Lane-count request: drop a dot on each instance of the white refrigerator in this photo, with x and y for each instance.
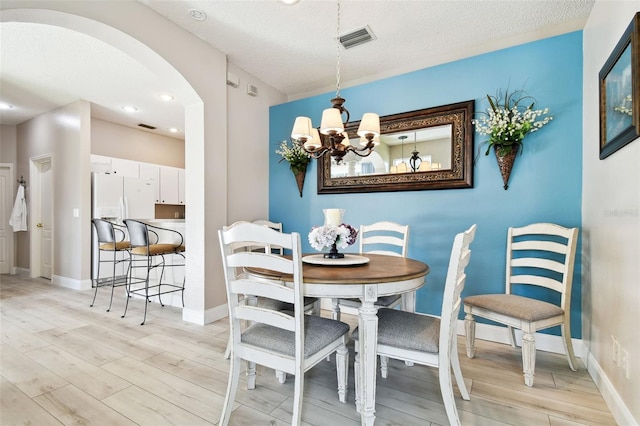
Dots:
(116, 198)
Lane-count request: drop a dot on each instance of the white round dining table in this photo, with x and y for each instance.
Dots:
(381, 276)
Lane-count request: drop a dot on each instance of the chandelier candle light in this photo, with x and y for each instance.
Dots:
(337, 143)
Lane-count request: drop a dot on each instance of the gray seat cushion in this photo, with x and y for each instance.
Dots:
(407, 330)
(318, 333)
(523, 308)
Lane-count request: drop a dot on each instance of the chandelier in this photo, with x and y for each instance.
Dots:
(337, 143)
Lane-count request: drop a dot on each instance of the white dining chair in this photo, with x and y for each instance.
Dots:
(426, 339)
(539, 255)
(289, 343)
(311, 304)
(386, 238)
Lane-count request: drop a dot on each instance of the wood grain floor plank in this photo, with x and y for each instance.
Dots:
(24, 320)
(85, 376)
(145, 408)
(87, 349)
(262, 398)
(27, 375)
(541, 403)
(312, 414)
(182, 393)
(210, 357)
(19, 338)
(118, 341)
(17, 408)
(52, 316)
(247, 416)
(73, 407)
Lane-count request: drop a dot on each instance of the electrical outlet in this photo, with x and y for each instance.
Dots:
(624, 362)
(615, 350)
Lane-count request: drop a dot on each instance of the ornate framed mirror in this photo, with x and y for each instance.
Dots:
(431, 148)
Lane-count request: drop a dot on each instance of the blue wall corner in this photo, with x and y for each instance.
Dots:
(545, 184)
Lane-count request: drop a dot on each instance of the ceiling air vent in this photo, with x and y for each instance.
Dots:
(356, 37)
(146, 126)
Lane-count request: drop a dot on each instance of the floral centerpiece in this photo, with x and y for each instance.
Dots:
(509, 119)
(297, 158)
(335, 237)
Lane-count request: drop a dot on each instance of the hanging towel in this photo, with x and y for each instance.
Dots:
(19, 214)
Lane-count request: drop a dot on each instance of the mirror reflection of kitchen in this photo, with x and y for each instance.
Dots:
(415, 151)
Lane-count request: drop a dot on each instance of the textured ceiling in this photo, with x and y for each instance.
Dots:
(291, 48)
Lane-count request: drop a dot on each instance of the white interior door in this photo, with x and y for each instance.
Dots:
(45, 224)
(6, 206)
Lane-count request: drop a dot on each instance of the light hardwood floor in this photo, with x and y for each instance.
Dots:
(63, 362)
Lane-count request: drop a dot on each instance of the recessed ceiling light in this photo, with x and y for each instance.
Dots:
(197, 14)
(289, 2)
(130, 108)
(4, 105)
(166, 97)
(174, 129)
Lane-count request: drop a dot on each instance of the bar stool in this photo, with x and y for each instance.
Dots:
(149, 253)
(111, 248)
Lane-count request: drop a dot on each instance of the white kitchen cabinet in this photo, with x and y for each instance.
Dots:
(100, 164)
(169, 185)
(125, 168)
(181, 186)
(152, 172)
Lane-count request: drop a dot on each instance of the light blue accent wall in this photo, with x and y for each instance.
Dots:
(545, 184)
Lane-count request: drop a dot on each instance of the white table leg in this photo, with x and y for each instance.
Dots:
(368, 339)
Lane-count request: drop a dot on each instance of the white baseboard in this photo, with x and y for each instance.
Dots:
(20, 271)
(205, 317)
(544, 342)
(615, 403)
(71, 283)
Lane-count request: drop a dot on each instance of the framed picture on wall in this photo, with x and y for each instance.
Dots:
(620, 92)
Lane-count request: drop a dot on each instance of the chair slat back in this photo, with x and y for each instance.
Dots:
(105, 231)
(454, 285)
(241, 285)
(254, 246)
(390, 234)
(138, 233)
(543, 255)
(273, 225)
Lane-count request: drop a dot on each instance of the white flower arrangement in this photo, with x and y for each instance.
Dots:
(507, 122)
(294, 155)
(325, 236)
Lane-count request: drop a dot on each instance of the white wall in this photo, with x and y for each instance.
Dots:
(64, 134)
(115, 140)
(8, 144)
(611, 228)
(249, 147)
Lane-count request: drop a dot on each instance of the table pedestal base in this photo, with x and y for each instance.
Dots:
(366, 357)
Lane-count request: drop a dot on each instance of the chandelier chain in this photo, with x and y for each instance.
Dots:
(338, 54)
